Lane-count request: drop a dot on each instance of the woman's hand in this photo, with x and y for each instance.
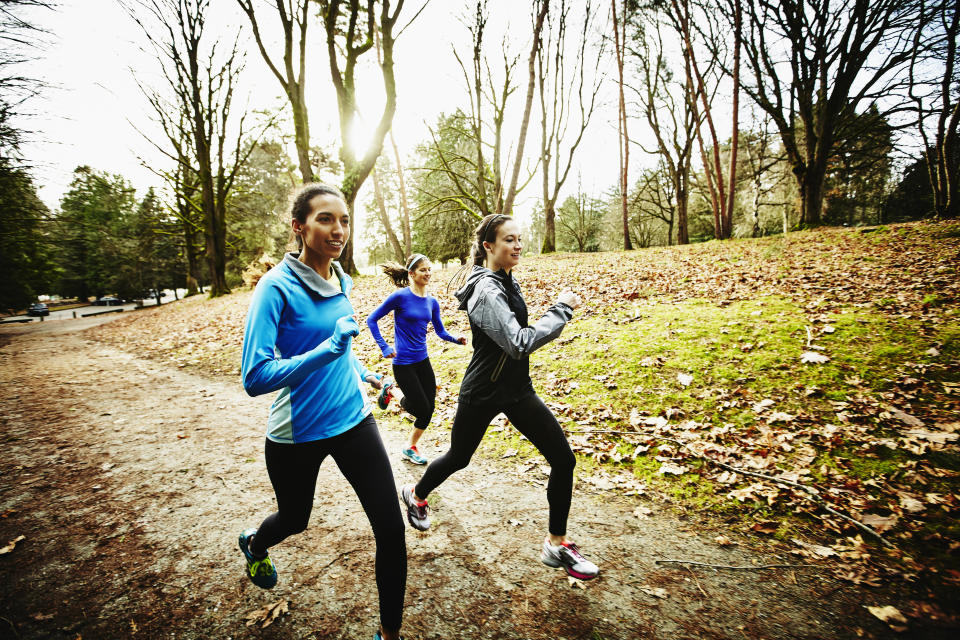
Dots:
(375, 380)
(390, 354)
(569, 298)
(343, 332)
(461, 340)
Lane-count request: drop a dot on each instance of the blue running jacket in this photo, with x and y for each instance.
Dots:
(287, 348)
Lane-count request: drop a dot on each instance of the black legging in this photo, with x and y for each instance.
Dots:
(419, 386)
(361, 457)
(533, 419)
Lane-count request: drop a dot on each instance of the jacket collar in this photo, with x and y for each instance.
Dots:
(312, 280)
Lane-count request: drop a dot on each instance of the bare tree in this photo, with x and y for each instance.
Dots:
(557, 91)
(17, 37)
(721, 185)
(203, 84)
(350, 31)
(540, 7)
(623, 139)
(473, 168)
(294, 20)
(937, 99)
(811, 63)
(668, 110)
(398, 252)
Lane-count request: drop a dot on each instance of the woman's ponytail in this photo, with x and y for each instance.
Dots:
(396, 272)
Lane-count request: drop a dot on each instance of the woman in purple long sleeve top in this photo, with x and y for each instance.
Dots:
(413, 309)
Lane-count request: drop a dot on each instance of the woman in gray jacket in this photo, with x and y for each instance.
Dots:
(497, 380)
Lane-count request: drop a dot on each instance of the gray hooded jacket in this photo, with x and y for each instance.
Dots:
(499, 372)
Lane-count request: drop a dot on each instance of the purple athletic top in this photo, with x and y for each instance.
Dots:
(411, 314)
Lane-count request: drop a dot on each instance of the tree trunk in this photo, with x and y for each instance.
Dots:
(531, 81)
(404, 202)
(549, 228)
(301, 129)
(623, 138)
(811, 197)
(385, 219)
(683, 199)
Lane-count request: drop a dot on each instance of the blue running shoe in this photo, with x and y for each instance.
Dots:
(385, 395)
(413, 455)
(261, 571)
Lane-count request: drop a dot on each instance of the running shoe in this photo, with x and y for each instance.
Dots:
(377, 636)
(413, 455)
(567, 555)
(418, 513)
(385, 394)
(261, 571)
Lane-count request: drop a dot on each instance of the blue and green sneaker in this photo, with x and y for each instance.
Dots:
(261, 571)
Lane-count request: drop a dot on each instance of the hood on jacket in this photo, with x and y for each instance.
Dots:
(479, 273)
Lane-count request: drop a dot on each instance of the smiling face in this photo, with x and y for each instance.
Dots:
(421, 272)
(504, 252)
(325, 230)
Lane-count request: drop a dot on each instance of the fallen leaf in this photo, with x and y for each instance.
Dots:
(763, 404)
(890, 615)
(816, 549)
(940, 437)
(880, 523)
(673, 468)
(575, 583)
(812, 357)
(768, 526)
(266, 616)
(828, 328)
(723, 541)
(514, 523)
(10, 545)
(911, 504)
(656, 592)
(642, 512)
(684, 379)
(779, 416)
(903, 417)
(509, 453)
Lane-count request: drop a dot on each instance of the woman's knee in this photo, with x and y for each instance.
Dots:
(563, 462)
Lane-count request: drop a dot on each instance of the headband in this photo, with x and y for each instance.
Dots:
(414, 259)
(486, 227)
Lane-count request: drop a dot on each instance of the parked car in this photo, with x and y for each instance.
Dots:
(38, 309)
(107, 301)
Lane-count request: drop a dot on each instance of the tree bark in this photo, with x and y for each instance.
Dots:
(623, 137)
(528, 106)
(385, 218)
(357, 169)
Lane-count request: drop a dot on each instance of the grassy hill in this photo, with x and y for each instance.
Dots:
(828, 359)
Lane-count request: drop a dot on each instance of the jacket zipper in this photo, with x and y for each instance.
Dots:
(498, 368)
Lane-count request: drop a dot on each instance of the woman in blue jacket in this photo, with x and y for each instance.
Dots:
(298, 342)
(413, 309)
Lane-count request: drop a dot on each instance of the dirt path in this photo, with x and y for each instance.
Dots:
(130, 479)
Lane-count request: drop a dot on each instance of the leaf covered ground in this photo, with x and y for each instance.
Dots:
(804, 388)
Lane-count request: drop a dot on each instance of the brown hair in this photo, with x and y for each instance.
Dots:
(401, 274)
(301, 202)
(486, 232)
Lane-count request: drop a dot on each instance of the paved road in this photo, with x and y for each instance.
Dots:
(77, 312)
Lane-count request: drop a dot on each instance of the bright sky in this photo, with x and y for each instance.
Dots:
(93, 110)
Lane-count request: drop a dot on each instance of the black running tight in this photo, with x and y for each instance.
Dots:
(419, 386)
(533, 419)
(361, 457)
